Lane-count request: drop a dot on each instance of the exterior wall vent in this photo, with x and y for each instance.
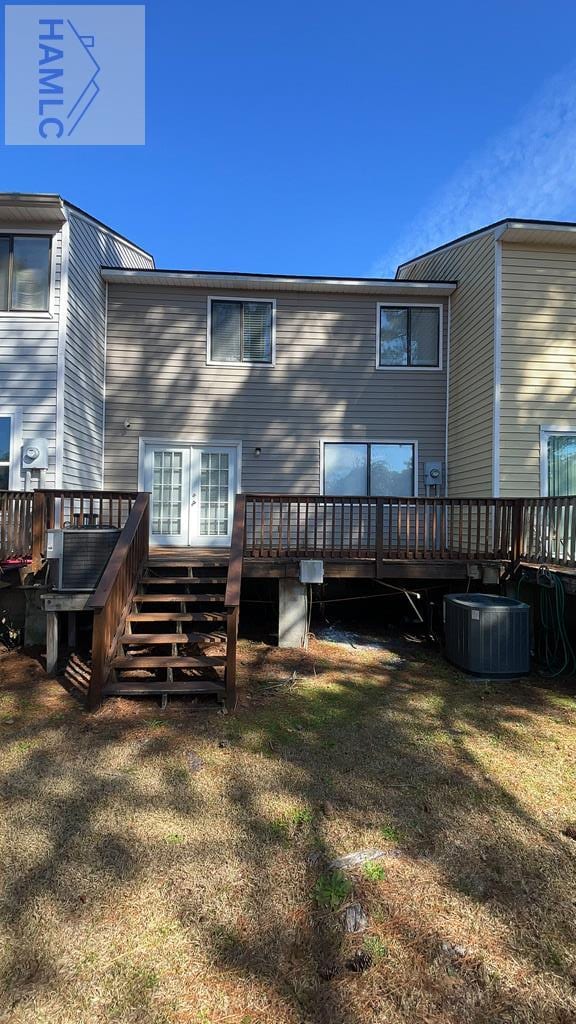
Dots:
(486, 635)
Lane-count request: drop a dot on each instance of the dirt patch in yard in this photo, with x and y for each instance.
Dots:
(167, 867)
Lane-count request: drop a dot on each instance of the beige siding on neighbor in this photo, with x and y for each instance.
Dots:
(324, 385)
(471, 387)
(538, 384)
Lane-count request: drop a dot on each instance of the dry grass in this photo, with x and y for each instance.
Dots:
(143, 886)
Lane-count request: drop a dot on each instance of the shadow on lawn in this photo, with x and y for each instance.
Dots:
(379, 746)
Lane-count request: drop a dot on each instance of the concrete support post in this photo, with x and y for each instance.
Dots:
(51, 641)
(292, 613)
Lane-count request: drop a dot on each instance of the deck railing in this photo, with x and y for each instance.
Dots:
(232, 596)
(15, 525)
(112, 599)
(548, 531)
(282, 526)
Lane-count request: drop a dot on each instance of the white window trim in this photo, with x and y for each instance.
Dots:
(370, 440)
(14, 413)
(43, 314)
(409, 305)
(192, 442)
(238, 298)
(546, 431)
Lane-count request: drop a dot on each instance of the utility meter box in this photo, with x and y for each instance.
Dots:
(35, 453)
(433, 474)
(312, 571)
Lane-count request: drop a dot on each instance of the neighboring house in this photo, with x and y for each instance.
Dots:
(221, 382)
(512, 375)
(52, 336)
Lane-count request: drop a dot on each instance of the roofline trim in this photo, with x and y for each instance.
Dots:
(192, 278)
(504, 224)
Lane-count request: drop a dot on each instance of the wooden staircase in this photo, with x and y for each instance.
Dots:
(175, 634)
(166, 622)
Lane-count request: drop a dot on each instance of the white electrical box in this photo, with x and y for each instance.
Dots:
(35, 453)
(312, 571)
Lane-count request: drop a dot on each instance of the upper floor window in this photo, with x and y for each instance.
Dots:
(24, 273)
(409, 336)
(241, 331)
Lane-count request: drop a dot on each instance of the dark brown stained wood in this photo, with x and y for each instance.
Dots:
(125, 662)
(234, 580)
(174, 598)
(176, 617)
(147, 687)
(187, 581)
(17, 534)
(143, 639)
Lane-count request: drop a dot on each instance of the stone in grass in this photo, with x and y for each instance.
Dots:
(455, 951)
(194, 761)
(353, 860)
(354, 918)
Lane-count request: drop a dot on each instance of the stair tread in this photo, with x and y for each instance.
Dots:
(184, 580)
(164, 638)
(143, 687)
(179, 597)
(172, 563)
(177, 617)
(157, 661)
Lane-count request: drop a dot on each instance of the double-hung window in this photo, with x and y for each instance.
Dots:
(5, 446)
(24, 273)
(409, 336)
(241, 331)
(558, 462)
(356, 469)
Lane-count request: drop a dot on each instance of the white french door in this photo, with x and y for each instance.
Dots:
(192, 493)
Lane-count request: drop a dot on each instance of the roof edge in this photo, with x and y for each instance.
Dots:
(201, 278)
(505, 223)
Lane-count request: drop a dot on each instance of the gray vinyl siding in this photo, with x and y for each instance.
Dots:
(29, 364)
(91, 246)
(471, 377)
(324, 385)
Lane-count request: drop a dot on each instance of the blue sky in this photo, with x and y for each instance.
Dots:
(330, 138)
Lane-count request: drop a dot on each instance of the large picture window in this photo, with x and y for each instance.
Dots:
(560, 454)
(241, 331)
(25, 273)
(409, 336)
(5, 445)
(356, 469)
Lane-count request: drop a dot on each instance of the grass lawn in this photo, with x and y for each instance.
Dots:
(166, 867)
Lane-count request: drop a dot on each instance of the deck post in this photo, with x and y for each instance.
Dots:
(292, 613)
(51, 641)
(38, 529)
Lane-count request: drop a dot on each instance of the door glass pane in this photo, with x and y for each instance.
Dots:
(214, 494)
(346, 469)
(4, 257)
(30, 273)
(392, 470)
(4, 477)
(226, 326)
(562, 465)
(5, 438)
(393, 337)
(167, 493)
(424, 336)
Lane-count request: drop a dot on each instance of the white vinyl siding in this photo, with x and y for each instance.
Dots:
(324, 385)
(29, 363)
(91, 246)
(471, 375)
